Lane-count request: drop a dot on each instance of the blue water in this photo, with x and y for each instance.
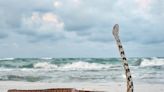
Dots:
(102, 70)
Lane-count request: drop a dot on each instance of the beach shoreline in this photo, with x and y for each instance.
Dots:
(108, 87)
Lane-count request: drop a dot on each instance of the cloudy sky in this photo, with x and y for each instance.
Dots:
(80, 28)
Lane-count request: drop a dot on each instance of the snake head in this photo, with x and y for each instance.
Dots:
(115, 29)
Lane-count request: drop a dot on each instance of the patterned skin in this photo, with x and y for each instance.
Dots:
(130, 87)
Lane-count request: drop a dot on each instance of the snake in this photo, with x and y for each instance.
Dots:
(130, 86)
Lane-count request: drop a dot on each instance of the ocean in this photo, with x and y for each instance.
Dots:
(90, 70)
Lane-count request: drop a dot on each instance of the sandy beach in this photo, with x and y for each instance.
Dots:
(108, 87)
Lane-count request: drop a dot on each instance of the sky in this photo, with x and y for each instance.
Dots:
(80, 28)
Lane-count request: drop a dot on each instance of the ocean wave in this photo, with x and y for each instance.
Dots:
(80, 65)
(44, 65)
(14, 64)
(80, 69)
(22, 78)
(7, 58)
(152, 62)
(46, 58)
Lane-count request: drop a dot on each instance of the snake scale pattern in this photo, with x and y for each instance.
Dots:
(130, 87)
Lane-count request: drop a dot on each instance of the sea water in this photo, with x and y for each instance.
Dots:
(91, 70)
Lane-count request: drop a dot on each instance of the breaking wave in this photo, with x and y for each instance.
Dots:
(44, 65)
(6, 58)
(152, 62)
(85, 66)
(79, 69)
(76, 64)
(80, 65)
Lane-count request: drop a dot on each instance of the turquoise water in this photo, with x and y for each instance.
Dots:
(102, 70)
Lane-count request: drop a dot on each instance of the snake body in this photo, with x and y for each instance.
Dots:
(130, 87)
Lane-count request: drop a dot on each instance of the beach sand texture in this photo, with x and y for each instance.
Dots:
(50, 90)
(107, 87)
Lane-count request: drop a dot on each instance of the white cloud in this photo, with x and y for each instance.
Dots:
(144, 7)
(42, 26)
(46, 22)
(54, 19)
(58, 4)
(77, 2)
(144, 4)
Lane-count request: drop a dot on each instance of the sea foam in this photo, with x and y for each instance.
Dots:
(152, 62)
(80, 69)
(44, 65)
(7, 58)
(80, 65)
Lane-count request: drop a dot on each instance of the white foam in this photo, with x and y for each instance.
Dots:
(80, 65)
(44, 65)
(46, 58)
(6, 58)
(152, 62)
(5, 69)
